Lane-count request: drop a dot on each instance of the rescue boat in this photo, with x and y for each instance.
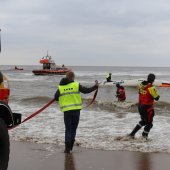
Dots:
(50, 68)
(16, 68)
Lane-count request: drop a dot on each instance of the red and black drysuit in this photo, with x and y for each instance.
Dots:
(147, 95)
(120, 94)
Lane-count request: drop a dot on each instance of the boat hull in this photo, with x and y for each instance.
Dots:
(50, 72)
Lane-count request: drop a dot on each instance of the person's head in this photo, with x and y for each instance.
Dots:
(70, 75)
(110, 74)
(1, 77)
(151, 78)
(117, 85)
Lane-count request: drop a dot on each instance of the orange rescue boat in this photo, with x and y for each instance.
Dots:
(50, 68)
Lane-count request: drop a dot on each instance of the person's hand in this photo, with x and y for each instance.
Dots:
(96, 83)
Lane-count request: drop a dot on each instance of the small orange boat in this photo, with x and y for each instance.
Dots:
(50, 68)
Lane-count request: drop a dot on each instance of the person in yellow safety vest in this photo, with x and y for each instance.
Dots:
(4, 88)
(70, 101)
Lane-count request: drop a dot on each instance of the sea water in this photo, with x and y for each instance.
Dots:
(101, 123)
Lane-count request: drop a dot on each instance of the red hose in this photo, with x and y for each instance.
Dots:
(35, 113)
(48, 104)
(94, 97)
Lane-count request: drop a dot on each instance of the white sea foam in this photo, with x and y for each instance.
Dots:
(97, 129)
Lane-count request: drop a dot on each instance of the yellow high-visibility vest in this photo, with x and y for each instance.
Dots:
(70, 98)
(5, 83)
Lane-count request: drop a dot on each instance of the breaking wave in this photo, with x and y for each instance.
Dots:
(161, 107)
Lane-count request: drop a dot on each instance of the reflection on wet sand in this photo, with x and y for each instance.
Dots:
(69, 162)
(144, 162)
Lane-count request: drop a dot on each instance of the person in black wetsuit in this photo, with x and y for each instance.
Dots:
(109, 77)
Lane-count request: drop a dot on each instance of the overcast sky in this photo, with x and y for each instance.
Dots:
(86, 32)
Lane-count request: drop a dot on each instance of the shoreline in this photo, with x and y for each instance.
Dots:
(33, 156)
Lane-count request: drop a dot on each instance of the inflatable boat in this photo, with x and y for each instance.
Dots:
(18, 69)
(135, 83)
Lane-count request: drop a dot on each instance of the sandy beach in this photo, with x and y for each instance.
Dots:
(31, 156)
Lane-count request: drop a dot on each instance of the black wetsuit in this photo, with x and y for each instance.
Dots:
(109, 78)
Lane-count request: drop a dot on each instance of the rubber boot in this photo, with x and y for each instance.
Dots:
(145, 135)
(72, 144)
(132, 134)
(67, 147)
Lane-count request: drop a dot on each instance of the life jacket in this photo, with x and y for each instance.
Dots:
(145, 97)
(122, 95)
(4, 90)
(70, 98)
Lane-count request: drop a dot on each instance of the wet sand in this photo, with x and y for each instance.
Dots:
(31, 156)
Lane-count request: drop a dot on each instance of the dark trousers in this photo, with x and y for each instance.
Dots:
(147, 114)
(71, 120)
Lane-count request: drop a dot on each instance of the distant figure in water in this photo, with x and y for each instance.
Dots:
(109, 77)
(120, 93)
(147, 95)
(16, 68)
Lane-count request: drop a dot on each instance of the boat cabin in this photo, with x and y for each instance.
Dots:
(48, 63)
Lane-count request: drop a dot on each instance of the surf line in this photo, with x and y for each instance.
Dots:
(34, 114)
